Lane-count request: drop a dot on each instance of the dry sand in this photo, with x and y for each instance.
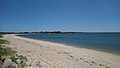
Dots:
(42, 54)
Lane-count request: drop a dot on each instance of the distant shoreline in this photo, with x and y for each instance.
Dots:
(52, 32)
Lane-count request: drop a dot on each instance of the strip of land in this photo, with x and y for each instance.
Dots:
(42, 54)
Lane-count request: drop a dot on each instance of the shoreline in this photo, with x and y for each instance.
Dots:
(60, 55)
(71, 45)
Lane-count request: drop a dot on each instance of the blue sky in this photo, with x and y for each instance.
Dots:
(63, 15)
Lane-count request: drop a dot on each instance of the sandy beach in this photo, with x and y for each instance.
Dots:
(43, 54)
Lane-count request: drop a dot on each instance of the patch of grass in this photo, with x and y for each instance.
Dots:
(13, 58)
(1, 36)
(6, 51)
(3, 41)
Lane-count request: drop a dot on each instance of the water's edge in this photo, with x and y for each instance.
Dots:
(102, 50)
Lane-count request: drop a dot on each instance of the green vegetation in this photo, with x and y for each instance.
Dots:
(13, 58)
(1, 36)
(10, 56)
(6, 51)
(3, 41)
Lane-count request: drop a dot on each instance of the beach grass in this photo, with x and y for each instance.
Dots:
(1, 36)
(3, 41)
(9, 56)
(4, 51)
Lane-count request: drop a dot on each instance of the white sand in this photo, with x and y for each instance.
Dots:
(42, 54)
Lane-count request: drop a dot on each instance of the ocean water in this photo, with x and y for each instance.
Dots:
(107, 42)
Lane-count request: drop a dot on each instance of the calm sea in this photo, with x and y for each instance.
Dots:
(108, 42)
